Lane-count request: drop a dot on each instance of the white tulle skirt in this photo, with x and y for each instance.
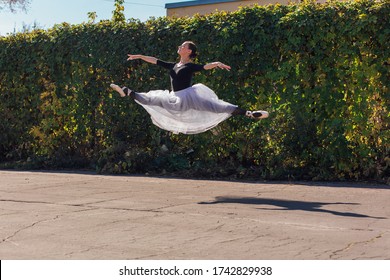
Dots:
(190, 111)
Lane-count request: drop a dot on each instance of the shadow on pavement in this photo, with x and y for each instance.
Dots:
(289, 205)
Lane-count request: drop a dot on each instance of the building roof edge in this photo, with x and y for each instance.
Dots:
(195, 3)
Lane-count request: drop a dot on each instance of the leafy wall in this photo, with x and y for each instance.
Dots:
(322, 71)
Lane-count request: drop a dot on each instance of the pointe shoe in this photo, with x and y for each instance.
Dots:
(118, 89)
(123, 91)
(256, 115)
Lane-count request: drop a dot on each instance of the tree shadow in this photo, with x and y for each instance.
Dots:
(290, 205)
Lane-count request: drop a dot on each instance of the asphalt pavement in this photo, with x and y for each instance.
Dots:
(70, 215)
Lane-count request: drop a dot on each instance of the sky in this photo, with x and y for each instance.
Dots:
(46, 13)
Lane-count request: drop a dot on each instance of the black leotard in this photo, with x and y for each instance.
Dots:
(181, 77)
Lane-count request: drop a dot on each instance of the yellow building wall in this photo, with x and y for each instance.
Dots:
(228, 7)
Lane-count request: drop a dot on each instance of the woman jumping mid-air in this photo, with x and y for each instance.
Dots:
(188, 109)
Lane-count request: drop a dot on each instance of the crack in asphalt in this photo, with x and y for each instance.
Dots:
(356, 243)
(6, 239)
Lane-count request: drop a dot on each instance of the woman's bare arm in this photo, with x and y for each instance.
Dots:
(218, 64)
(149, 59)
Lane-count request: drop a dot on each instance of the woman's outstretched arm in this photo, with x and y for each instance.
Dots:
(218, 64)
(149, 59)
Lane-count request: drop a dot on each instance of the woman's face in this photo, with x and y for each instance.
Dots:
(184, 50)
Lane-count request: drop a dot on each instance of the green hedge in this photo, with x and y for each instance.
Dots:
(322, 71)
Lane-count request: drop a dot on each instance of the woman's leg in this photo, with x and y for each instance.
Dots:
(123, 91)
(239, 111)
(140, 97)
(217, 106)
(225, 107)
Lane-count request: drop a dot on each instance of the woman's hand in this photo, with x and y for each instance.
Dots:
(223, 66)
(217, 64)
(133, 56)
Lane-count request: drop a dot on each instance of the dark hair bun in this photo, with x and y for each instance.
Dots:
(193, 48)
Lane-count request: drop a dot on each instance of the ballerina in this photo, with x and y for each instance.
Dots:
(188, 109)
